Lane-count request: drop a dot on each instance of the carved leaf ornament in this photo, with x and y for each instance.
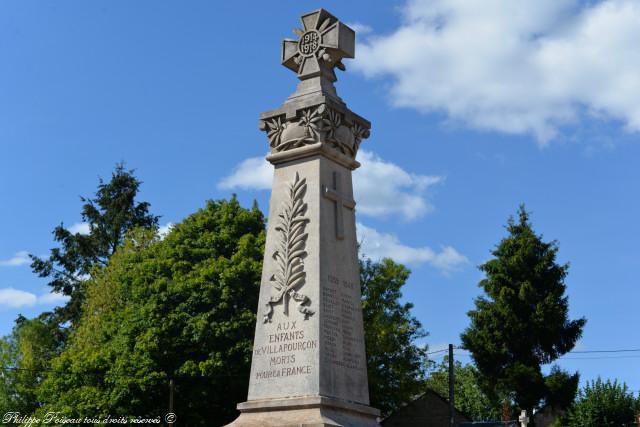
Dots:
(317, 124)
(290, 253)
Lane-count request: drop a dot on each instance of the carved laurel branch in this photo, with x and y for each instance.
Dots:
(314, 125)
(290, 274)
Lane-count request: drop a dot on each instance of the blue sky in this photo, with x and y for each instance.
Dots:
(475, 109)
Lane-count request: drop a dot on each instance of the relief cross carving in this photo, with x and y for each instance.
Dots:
(334, 194)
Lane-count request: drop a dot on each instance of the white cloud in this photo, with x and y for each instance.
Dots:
(20, 258)
(384, 189)
(163, 230)
(80, 227)
(520, 67)
(376, 245)
(252, 173)
(359, 28)
(52, 298)
(15, 298)
(381, 188)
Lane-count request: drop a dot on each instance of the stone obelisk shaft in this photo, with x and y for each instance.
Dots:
(308, 363)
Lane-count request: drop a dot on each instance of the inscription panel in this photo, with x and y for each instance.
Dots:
(285, 354)
(282, 354)
(343, 344)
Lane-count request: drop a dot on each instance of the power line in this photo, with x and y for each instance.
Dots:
(465, 352)
(606, 351)
(600, 358)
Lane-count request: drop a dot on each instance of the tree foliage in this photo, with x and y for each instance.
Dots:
(521, 322)
(469, 397)
(561, 388)
(7, 389)
(396, 364)
(181, 308)
(144, 310)
(25, 355)
(603, 404)
(109, 215)
(29, 349)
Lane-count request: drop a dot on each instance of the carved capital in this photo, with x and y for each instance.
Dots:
(343, 131)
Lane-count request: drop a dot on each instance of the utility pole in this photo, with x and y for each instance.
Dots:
(452, 409)
(171, 400)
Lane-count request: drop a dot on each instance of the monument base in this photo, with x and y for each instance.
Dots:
(310, 411)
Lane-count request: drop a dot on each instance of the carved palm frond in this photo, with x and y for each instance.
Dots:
(312, 119)
(274, 130)
(290, 252)
(359, 133)
(331, 123)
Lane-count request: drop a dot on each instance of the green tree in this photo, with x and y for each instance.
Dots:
(33, 343)
(25, 355)
(7, 374)
(184, 307)
(396, 364)
(180, 308)
(109, 215)
(521, 322)
(561, 388)
(602, 404)
(469, 397)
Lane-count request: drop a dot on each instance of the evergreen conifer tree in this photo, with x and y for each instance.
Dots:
(522, 320)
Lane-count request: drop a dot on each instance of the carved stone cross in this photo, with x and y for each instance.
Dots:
(340, 202)
(323, 42)
(524, 420)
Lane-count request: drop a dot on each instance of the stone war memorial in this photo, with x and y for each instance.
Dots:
(308, 364)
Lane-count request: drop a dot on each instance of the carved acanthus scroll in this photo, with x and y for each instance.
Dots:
(290, 253)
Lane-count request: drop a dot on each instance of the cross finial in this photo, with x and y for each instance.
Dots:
(322, 44)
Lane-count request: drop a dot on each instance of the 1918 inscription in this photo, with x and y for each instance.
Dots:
(309, 42)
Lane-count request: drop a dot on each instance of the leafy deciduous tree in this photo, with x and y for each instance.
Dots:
(469, 398)
(181, 308)
(396, 365)
(603, 404)
(25, 355)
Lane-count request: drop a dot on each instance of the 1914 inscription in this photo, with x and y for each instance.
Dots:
(309, 43)
(282, 348)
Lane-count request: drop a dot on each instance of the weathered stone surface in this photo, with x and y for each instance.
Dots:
(312, 344)
(323, 42)
(319, 120)
(313, 411)
(308, 364)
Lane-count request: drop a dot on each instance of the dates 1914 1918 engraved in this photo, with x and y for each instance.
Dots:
(309, 42)
(290, 274)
